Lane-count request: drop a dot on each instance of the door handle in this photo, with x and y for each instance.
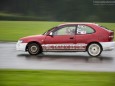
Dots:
(71, 37)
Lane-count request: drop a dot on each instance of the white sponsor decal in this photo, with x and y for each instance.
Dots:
(64, 46)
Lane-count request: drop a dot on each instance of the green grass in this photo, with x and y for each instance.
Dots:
(55, 78)
(13, 30)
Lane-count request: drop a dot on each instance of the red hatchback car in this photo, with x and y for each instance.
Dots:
(88, 37)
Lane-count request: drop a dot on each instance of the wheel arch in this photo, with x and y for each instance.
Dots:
(26, 49)
(93, 42)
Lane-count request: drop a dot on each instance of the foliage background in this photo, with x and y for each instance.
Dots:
(56, 10)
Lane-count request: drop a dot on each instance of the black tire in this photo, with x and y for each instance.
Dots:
(94, 49)
(34, 49)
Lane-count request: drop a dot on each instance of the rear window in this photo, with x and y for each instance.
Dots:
(105, 28)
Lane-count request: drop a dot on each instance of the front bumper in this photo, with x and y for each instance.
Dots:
(21, 46)
(108, 45)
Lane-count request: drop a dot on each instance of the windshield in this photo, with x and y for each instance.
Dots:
(48, 31)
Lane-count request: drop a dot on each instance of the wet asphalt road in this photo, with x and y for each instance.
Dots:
(12, 59)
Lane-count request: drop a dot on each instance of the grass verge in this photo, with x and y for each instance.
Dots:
(55, 78)
(13, 30)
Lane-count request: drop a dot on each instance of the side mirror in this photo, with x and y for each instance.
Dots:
(51, 34)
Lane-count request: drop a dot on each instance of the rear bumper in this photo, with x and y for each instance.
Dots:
(21, 46)
(108, 45)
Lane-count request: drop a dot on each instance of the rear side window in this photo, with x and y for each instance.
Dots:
(83, 29)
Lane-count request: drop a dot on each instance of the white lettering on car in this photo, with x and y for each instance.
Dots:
(80, 46)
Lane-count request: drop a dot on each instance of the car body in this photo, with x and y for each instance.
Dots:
(89, 37)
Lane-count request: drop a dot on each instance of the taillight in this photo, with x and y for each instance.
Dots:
(111, 36)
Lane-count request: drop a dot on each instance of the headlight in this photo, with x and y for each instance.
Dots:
(20, 41)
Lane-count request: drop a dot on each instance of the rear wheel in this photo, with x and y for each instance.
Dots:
(94, 49)
(34, 48)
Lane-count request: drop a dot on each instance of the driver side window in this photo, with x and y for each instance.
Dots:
(68, 30)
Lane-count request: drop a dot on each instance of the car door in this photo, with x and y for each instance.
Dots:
(84, 33)
(62, 38)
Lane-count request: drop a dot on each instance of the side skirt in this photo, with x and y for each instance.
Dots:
(64, 47)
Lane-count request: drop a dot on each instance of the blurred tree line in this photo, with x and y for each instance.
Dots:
(56, 10)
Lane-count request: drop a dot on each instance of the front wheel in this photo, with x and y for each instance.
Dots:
(34, 49)
(94, 49)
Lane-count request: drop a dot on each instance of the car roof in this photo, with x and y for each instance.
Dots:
(77, 23)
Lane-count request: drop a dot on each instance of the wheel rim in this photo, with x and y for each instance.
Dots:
(94, 49)
(34, 49)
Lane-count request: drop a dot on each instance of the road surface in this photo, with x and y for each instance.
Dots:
(12, 59)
